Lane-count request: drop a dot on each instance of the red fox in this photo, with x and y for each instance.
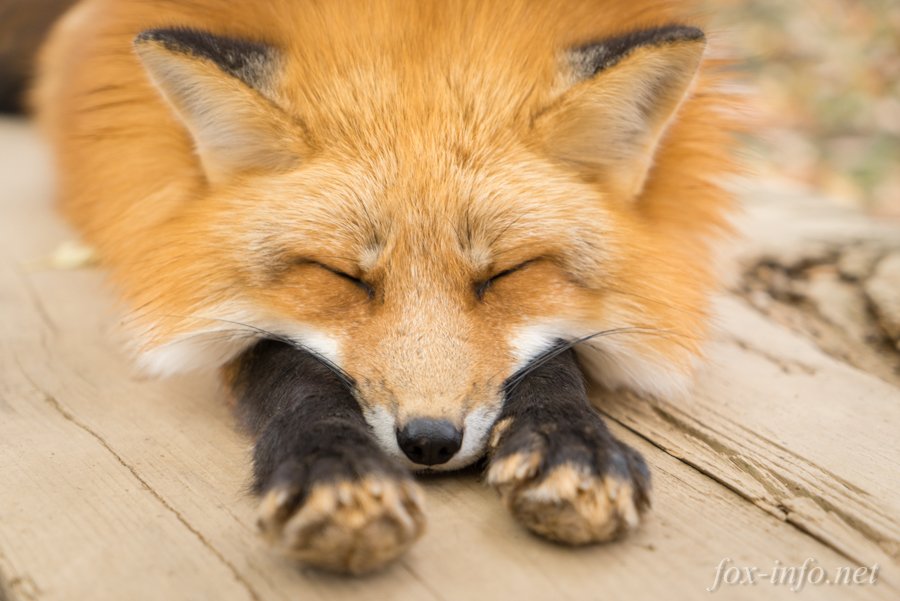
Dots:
(393, 224)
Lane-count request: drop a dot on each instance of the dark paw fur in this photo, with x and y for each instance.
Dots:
(330, 496)
(568, 480)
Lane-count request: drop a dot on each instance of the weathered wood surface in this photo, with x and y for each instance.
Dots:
(115, 487)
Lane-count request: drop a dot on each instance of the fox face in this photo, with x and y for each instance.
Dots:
(428, 288)
(428, 282)
(429, 203)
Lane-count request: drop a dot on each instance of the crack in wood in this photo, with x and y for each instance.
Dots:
(789, 290)
(827, 506)
(57, 406)
(783, 492)
(37, 301)
(783, 512)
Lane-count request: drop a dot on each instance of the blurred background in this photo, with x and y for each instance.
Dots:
(827, 74)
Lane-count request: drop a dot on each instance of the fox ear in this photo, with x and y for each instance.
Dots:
(217, 87)
(619, 95)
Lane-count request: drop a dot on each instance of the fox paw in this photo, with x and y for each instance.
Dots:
(570, 482)
(346, 525)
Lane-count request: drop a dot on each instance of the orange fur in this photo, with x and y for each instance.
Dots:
(421, 167)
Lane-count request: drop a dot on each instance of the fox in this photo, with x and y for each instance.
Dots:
(410, 236)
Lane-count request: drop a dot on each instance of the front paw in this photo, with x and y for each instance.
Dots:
(569, 480)
(335, 518)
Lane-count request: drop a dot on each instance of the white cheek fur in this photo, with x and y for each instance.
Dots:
(530, 341)
(322, 344)
(612, 363)
(194, 351)
(226, 331)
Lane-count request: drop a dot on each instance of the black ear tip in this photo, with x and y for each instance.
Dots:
(145, 36)
(680, 33)
(247, 60)
(165, 36)
(653, 36)
(181, 39)
(591, 58)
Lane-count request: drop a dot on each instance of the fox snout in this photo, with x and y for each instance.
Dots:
(442, 441)
(432, 407)
(428, 374)
(430, 441)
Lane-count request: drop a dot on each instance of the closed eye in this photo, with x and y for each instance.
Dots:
(361, 284)
(482, 287)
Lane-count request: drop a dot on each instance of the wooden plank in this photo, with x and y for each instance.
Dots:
(808, 439)
(147, 491)
(77, 521)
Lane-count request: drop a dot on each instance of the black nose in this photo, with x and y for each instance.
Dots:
(430, 441)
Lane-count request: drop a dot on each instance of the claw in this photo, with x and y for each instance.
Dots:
(572, 502)
(348, 526)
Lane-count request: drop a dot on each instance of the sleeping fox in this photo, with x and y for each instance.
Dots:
(407, 232)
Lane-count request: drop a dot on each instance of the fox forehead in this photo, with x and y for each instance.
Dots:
(354, 214)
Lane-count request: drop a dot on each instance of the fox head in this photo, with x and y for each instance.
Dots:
(431, 228)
